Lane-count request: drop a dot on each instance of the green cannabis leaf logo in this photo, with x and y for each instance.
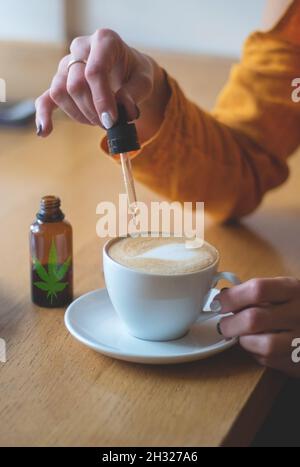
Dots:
(50, 281)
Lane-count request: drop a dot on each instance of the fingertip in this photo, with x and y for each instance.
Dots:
(219, 328)
(223, 328)
(107, 120)
(43, 129)
(47, 130)
(39, 129)
(43, 117)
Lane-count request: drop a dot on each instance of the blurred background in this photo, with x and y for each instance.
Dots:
(34, 34)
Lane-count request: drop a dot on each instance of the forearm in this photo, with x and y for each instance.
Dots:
(195, 157)
(231, 157)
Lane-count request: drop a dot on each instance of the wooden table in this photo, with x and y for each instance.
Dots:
(55, 391)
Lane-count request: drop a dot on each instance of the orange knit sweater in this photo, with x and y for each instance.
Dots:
(229, 158)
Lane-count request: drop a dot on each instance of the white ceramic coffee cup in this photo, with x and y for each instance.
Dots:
(160, 307)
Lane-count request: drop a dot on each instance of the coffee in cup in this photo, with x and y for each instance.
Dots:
(161, 255)
(158, 286)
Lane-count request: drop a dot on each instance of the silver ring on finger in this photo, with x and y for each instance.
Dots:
(75, 60)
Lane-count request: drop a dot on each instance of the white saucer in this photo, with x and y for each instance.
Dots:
(92, 320)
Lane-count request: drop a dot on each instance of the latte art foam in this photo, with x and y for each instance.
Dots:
(161, 255)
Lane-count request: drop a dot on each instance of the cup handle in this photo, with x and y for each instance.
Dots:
(228, 276)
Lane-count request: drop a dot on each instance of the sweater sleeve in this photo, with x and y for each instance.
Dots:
(229, 158)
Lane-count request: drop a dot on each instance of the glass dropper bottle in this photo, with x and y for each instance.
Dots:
(121, 139)
(51, 256)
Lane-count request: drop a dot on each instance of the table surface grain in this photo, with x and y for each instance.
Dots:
(55, 391)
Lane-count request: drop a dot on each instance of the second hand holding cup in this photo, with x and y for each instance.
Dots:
(122, 138)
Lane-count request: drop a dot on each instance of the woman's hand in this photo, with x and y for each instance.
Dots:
(114, 72)
(266, 319)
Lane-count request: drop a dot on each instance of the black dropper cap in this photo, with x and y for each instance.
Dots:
(122, 137)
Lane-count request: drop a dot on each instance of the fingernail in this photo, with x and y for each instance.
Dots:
(39, 129)
(215, 306)
(224, 288)
(138, 112)
(219, 328)
(107, 120)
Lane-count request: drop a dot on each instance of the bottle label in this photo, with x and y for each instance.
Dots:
(52, 280)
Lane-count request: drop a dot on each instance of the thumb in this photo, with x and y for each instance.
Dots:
(134, 92)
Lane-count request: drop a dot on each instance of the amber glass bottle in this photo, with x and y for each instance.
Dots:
(51, 256)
